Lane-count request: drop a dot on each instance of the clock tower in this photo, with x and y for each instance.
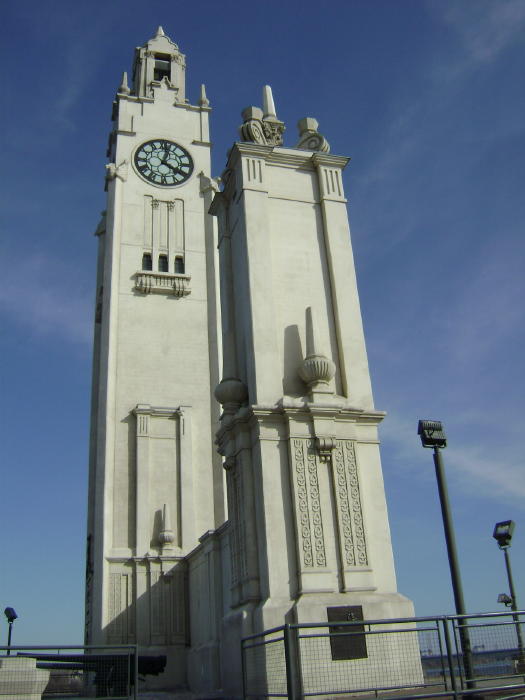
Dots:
(155, 480)
(306, 538)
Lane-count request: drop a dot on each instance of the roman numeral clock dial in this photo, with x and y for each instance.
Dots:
(163, 163)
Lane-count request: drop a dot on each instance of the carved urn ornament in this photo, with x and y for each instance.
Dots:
(316, 370)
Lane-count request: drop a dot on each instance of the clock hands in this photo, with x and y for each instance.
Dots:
(164, 161)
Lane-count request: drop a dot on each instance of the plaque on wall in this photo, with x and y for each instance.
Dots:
(347, 641)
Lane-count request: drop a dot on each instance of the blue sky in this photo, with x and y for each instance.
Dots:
(427, 98)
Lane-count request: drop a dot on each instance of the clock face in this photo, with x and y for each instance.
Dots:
(163, 162)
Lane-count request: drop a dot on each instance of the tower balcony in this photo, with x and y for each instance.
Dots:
(149, 282)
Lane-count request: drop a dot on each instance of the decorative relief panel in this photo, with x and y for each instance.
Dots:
(236, 508)
(349, 511)
(167, 600)
(309, 521)
(121, 629)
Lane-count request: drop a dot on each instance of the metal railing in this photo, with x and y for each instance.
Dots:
(69, 672)
(402, 658)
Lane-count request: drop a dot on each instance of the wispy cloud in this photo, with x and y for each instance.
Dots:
(485, 27)
(46, 299)
(486, 314)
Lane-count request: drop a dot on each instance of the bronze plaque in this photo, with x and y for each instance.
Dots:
(347, 641)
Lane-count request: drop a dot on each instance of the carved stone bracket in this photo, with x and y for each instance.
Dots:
(120, 171)
(325, 447)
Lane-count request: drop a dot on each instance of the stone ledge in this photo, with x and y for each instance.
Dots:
(162, 283)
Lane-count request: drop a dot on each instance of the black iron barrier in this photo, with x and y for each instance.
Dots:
(409, 657)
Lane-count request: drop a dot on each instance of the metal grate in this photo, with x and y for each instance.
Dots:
(73, 672)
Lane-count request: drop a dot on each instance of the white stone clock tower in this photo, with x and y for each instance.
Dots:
(155, 478)
(306, 537)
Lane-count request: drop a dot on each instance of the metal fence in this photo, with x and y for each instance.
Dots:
(447, 656)
(68, 672)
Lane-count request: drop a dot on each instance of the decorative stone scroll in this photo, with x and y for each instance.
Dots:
(309, 138)
(348, 500)
(260, 126)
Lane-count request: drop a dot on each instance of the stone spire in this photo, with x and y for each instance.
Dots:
(203, 101)
(268, 103)
(124, 87)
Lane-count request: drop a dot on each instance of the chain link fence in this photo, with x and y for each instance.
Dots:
(448, 656)
(68, 672)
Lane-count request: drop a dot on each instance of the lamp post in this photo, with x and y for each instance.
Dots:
(11, 617)
(503, 532)
(433, 436)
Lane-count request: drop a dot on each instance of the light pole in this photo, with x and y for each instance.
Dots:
(11, 617)
(503, 532)
(433, 436)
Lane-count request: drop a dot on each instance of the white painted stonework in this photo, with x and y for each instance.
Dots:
(267, 259)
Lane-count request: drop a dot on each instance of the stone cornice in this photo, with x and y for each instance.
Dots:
(248, 416)
(166, 411)
(329, 161)
(121, 97)
(277, 155)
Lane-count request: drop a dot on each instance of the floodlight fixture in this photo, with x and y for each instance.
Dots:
(11, 617)
(10, 614)
(505, 599)
(431, 433)
(503, 533)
